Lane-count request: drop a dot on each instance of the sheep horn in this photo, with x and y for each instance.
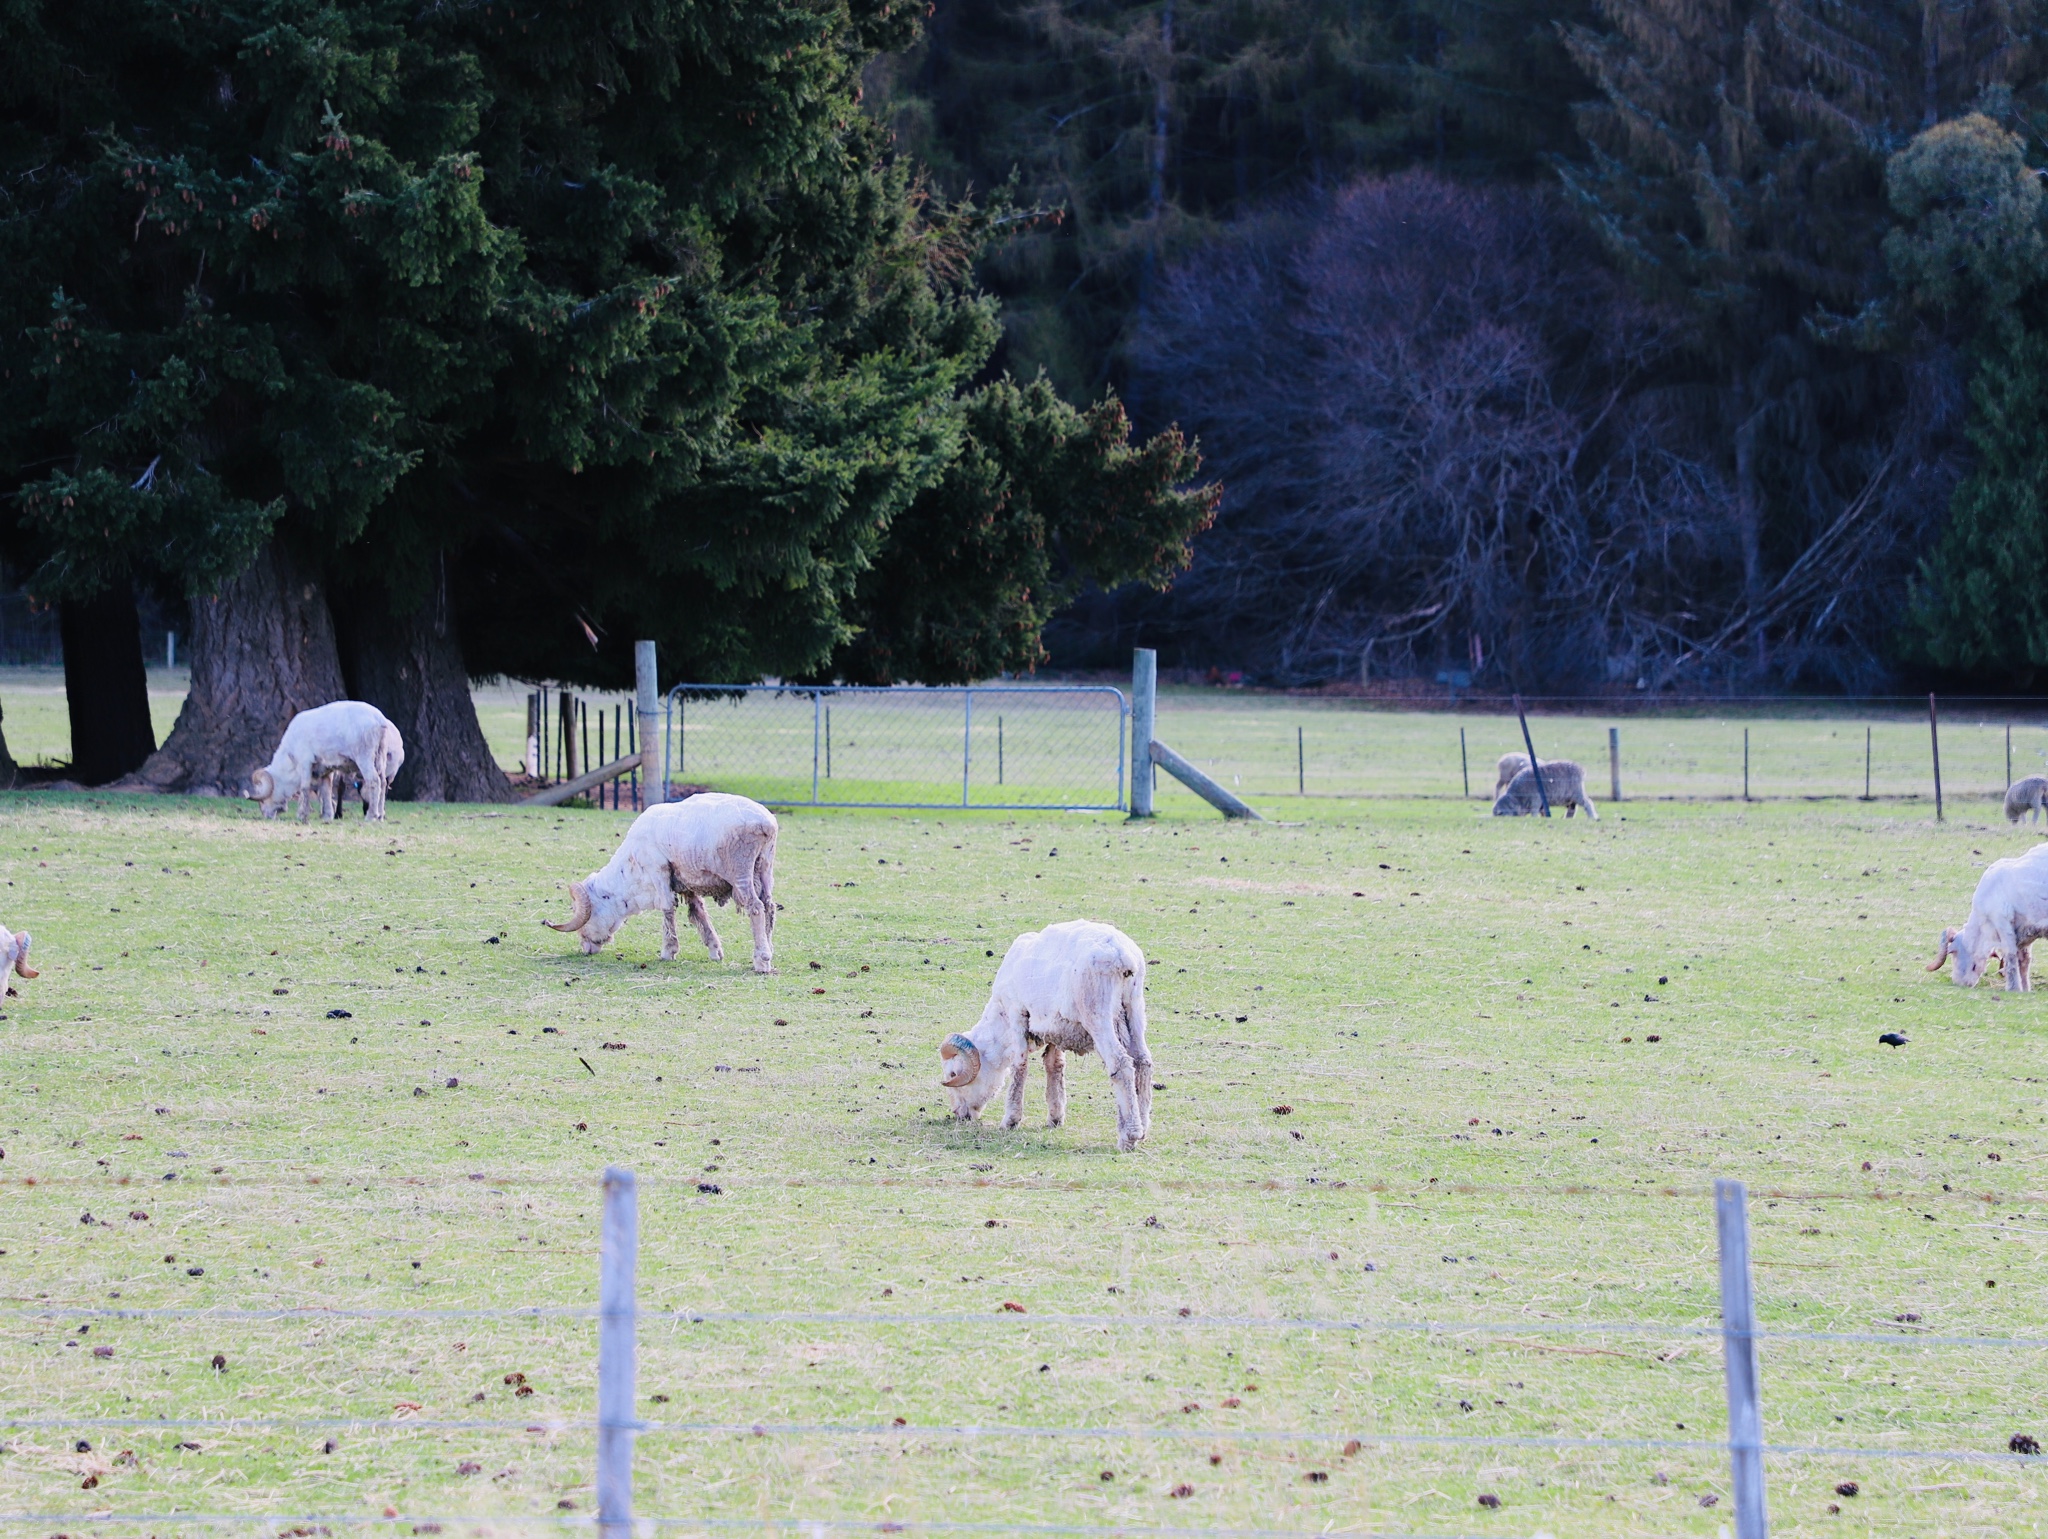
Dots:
(968, 1069)
(21, 957)
(1948, 938)
(581, 916)
(262, 784)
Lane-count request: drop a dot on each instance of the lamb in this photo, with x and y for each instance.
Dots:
(1070, 987)
(2007, 915)
(2027, 798)
(707, 846)
(1563, 781)
(14, 954)
(1511, 765)
(347, 734)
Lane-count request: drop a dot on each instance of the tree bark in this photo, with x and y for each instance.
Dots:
(105, 685)
(262, 651)
(10, 772)
(410, 667)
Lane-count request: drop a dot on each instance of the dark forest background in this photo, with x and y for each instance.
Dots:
(1654, 344)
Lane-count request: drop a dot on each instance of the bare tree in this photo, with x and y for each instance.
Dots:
(1451, 438)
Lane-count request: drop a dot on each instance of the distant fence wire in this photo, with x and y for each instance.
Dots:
(992, 746)
(1889, 749)
(616, 1424)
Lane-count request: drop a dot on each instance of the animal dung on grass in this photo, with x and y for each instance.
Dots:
(1488, 1500)
(340, 1015)
(1847, 1488)
(1283, 1110)
(2024, 1443)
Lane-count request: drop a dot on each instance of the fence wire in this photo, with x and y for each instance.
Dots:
(990, 746)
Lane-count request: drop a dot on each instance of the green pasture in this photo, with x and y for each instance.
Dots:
(1457, 1011)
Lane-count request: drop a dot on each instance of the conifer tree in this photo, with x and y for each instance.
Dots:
(423, 342)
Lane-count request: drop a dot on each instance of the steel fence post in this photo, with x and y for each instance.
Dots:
(1144, 703)
(616, 1424)
(1738, 1342)
(817, 709)
(1934, 738)
(1464, 764)
(966, 745)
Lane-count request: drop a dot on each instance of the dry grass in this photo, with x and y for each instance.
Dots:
(1485, 977)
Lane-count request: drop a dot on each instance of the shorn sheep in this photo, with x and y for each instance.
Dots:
(14, 954)
(707, 846)
(1074, 987)
(1563, 781)
(2027, 799)
(2007, 915)
(346, 735)
(1511, 765)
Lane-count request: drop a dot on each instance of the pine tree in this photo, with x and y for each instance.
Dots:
(1737, 169)
(1968, 254)
(422, 342)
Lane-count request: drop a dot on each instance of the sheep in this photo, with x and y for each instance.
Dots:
(2007, 915)
(2027, 798)
(707, 846)
(345, 735)
(14, 954)
(1563, 781)
(1511, 765)
(1068, 988)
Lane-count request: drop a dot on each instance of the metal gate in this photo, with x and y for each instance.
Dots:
(1003, 746)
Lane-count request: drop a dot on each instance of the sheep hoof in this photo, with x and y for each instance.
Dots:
(762, 966)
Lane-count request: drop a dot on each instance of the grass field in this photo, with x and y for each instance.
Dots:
(1457, 1009)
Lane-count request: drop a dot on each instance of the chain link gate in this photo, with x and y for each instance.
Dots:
(1011, 747)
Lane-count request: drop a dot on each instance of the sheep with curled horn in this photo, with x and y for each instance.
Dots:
(710, 845)
(318, 747)
(1075, 987)
(1564, 783)
(14, 954)
(2008, 913)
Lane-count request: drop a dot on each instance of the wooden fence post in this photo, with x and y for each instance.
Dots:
(616, 1422)
(1738, 1346)
(1144, 706)
(647, 711)
(1614, 763)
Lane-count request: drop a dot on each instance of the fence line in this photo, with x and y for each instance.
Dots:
(616, 1426)
(1904, 1336)
(420, 1523)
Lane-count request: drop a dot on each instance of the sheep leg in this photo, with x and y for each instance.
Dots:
(702, 921)
(748, 898)
(1141, 1063)
(373, 797)
(1013, 1104)
(669, 943)
(1130, 1122)
(1055, 1087)
(2026, 951)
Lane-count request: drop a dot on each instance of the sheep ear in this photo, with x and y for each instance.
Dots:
(1948, 946)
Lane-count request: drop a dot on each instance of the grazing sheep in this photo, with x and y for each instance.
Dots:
(2027, 798)
(1069, 988)
(707, 846)
(1563, 781)
(14, 954)
(1511, 765)
(2007, 915)
(346, 735)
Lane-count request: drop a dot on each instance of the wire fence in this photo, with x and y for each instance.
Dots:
(617, 1424)
(990, 746)
(1871, 750)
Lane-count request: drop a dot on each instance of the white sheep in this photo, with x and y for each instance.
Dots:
(346, 735)
(2008, 913)
(1074, 987)
(1563, 781)
(2027, 798)
(1511, 765)
(707, 846)
(14, 954)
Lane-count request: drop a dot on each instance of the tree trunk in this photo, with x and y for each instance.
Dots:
(10, 772)
(262, 651)
(410, 668)
(105, 686)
